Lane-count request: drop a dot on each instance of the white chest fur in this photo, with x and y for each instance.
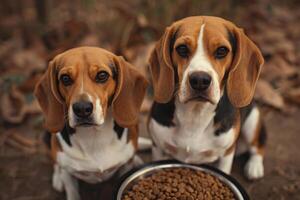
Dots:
(193, 139)
(96, 152)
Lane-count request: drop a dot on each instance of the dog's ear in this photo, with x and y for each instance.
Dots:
(161, 66)
(245, 69)
(49, 99)
(129, 94)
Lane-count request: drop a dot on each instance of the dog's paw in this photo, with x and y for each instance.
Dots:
(254, 168)
(57, 182)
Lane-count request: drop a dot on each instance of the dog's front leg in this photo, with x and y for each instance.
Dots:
(57, 182)
(255, 135)
(158, 154)
(63, 180)
(225, 162)
(71, 186)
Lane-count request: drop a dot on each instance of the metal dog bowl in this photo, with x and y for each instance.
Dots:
(146, 170)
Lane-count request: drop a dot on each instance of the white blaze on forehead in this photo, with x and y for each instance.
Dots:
(81, 86)
(201, 63)
(200, 60)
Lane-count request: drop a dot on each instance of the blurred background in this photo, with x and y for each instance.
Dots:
(32, 32)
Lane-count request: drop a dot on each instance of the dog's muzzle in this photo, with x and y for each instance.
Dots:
(200, 83)
(83, 111)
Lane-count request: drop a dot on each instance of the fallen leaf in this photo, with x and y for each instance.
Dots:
(14, 107)
(90, 40)
(28, 61)
(268, 95)
(28, 85)
(139, 57)
(142, 20)
(277, 68)
(294, 95)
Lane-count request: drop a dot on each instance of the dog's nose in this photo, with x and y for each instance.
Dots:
(200, 81)
(83, 109)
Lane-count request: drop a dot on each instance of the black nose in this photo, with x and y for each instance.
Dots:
(82, 109)
(200, 81)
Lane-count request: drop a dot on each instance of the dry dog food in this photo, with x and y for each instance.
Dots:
(179, 184)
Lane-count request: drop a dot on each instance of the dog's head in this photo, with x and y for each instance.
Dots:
(80, 84)
(197, 57)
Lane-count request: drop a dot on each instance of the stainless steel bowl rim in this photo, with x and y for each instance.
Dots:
(154, 167)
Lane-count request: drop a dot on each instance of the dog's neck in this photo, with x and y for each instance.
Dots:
(97, 148)
(202, 114)
(199, 113)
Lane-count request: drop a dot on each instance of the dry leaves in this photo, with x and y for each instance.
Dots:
(268, 95)
(14, 107)
(139, 56)
(16, 139)
(275, 31)
(294, 95)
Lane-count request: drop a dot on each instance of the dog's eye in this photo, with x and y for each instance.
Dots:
(102, 77)
(66, 80)
(221, 52)
(182, 50)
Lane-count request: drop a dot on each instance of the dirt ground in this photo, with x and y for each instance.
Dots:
(27, 176)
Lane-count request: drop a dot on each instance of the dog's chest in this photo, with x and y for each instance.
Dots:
(194, 118)
(193, 137)
(96, 154)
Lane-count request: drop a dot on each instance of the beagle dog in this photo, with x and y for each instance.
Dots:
(204, 72)
(91, 101)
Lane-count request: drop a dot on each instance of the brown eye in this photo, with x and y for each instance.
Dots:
(66, 80)
(102, 77)
(221, 52)
(183, 51)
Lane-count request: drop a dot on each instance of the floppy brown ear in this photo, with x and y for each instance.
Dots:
(49, 99)
(246, 66)
(161, 67)
(129, 95)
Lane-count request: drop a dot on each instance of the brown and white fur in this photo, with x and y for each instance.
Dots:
(91, 101)
(204, 71)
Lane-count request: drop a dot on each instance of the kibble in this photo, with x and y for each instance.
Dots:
(179, 184)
